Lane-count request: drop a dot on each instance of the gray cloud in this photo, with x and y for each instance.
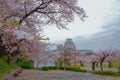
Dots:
(106, 39)
(99, 41)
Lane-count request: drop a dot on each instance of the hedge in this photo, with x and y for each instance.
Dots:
(45, 68)
(68, 68)
(106, 72)
(25, 65)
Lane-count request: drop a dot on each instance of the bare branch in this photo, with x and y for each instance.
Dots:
(25, 7)
(41, 6)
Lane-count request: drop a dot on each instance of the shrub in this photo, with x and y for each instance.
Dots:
(52, 67)
(61, 68)
(83, 70)
(69, 68)
(45, 68)
(25, 65)
(106, 72)
(96, 72)
(73, 69)
(76, 69)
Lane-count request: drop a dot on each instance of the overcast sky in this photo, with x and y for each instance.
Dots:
(99, 31)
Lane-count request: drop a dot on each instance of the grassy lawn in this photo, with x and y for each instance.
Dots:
(6, 68)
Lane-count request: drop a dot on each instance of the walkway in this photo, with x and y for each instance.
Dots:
(59, 75)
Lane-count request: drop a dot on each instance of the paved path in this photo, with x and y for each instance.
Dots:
(60, 75)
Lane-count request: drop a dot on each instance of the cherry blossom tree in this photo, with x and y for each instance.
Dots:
(117, 56)
(13, 45)
(75, 58)
(94, 60)
(102, 55)
(45, 55)
(24, 23)
(109, 60)
(59, 12)
(40, 56)
(80, 58)
(64, 57)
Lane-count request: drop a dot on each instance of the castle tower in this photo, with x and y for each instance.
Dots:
(69, 44)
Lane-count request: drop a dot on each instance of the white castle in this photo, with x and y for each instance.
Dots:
(69, 44)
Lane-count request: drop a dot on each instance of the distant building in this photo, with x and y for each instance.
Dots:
(69, 44)
(85, 52)
(60, 47)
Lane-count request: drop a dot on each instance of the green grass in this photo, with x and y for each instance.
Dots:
(6, 68)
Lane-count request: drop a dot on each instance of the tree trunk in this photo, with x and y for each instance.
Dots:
(65, 65)
(101, 66)
(17, 60)
(119, 68)
(96, 64)
(9, 59)
(109, 64)
(57, 64)
(37, 65)
(67, 62)
(75, 63)
(93, 65)
(57, 67)
(81, 63)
